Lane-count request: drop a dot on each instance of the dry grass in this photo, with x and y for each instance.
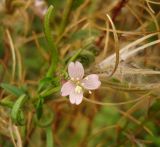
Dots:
(118, 40)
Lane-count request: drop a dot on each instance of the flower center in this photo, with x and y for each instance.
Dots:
(78, 89)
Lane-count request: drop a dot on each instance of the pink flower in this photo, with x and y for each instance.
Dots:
(74, 88)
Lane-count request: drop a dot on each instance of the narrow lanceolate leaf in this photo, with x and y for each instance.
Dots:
(12, 89)
(39, 107)
(16, 113)
(49, 137)
(50, 41)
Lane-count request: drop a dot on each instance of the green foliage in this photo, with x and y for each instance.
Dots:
(39, 107)
(48, 82)
(12, 89)
(49, 135)
(49, 38)
(16, 112)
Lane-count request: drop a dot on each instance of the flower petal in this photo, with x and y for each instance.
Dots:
(75, 98)
(91, 82)
(67, 88)
(76, 70)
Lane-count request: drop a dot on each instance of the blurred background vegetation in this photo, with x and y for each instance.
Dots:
(124, 112)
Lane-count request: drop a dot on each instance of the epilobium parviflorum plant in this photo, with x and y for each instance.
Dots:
(79, 73)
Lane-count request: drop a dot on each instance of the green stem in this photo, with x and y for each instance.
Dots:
(52, 46)
(8, 104)
(48, 92)
(73, 58)
(49, 137)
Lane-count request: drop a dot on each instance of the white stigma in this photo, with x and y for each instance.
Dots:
(78, 89)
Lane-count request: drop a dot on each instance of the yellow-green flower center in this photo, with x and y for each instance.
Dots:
(77, 82)
(78, 89)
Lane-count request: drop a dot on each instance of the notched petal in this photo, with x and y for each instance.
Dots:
(72, 99)
(75, 98)
(67, 88)
(91, 82)
(76, 70)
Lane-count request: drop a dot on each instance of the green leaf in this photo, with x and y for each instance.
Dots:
(45, 82)
(49, 83)
(49, 91)
(39, 107)
(50, 41)
(12, 89)
(16, 113)
(49, 136)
